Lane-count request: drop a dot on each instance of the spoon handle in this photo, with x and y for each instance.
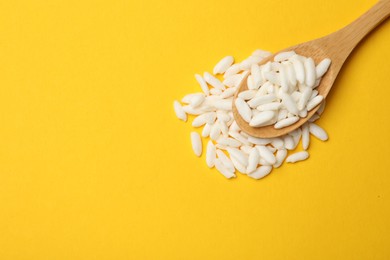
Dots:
(348, 37)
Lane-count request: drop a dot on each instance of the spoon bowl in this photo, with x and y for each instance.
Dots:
(308, 50)
(337, 47)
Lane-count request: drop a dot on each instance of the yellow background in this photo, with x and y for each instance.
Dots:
(95, 165)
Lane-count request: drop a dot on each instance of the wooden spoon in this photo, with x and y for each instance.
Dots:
(336, 46)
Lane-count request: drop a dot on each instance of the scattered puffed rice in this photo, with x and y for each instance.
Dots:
(281, 92)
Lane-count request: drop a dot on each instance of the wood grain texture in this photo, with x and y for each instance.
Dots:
(336, 46)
